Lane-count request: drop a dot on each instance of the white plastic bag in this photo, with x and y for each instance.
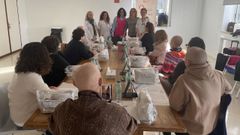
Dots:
(48, 100)
(103, 55)
(144, 75)
(146, 111)
(139, 61)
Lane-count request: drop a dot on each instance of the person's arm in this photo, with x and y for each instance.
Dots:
(180, 68)
(99, 28)
(84, 52)
(114, 24)
(128, 122)
(62, 63)
(137, 27)
(178, 97)
(37, 83)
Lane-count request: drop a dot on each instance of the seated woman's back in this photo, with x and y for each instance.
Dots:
(33, 62)
(57, 73)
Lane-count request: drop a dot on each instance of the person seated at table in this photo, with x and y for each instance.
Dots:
(160, 45)
(175, 55)
(90, 114)
(33, 62)
(167, 83)
(76, 51)
(57, 73)
(196, 94)
(148, 37)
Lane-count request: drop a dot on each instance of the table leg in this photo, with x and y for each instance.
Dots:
(138, 132)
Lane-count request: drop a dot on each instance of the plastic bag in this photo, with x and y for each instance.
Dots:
(103, 55)
(139, 61)
(146, 111)
(145, 75)
(48, 100)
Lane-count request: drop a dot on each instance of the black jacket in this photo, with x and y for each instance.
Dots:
(57, 73)
(76, 51)
(147, 42)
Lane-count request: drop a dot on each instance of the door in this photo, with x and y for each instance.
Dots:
(13, 23)
(4, 39)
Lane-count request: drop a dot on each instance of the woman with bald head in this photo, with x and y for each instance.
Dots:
(90, 114)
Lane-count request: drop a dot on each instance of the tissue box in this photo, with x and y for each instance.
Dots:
(145, 75)
(110, 74)
(139, 61)
(48, 100)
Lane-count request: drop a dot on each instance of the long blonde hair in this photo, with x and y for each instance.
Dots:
(133, 10)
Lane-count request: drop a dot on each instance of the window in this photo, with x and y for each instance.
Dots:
(163, 12)
(237, 14)
(161, 15)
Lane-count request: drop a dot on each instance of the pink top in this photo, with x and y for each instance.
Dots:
(120, 28)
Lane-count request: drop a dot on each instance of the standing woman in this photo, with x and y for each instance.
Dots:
(131, 23)
(141, 23)
(119, 26)
(90, 27)
(148, 38)
(104, 25)
(33, 62)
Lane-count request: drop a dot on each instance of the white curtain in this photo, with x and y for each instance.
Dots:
(231, 2)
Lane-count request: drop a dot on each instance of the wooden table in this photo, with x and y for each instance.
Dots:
(167, 119)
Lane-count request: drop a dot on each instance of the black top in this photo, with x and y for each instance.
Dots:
(57, 73)
(180, 68)
(76, 51)
(147, 42)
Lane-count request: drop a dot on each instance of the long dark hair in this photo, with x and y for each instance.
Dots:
(51, 43)
(118, 13)
(34, 57)
(102, 14)
(150, 27)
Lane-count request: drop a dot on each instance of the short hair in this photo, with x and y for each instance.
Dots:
(143, 9)
(119, 10)
(102, 14)
(150, 27)
(51, 43)
(34, 57)
(177, 41)
(78, 33)
(160, 36)
(196, 42)
(133, 10)
(196, 56)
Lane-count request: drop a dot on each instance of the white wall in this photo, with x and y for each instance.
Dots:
(212, 25)
(23, 21)
(41, 15)
(185, 20)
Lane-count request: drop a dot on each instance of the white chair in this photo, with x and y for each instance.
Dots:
(6, 124)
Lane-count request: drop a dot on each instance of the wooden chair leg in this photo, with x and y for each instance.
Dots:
(235, 84)
(238, 92)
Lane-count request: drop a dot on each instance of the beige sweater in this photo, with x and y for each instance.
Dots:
(22, 96)
(196, 96)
